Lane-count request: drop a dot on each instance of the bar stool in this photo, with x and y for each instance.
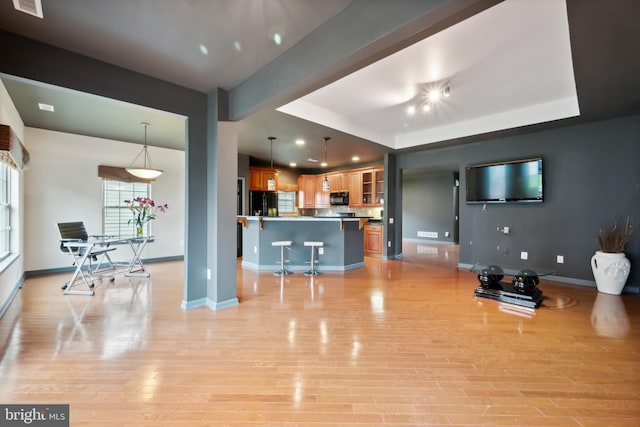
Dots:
(282, 244)
(313, 245)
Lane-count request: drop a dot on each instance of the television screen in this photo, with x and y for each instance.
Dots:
(514, 181)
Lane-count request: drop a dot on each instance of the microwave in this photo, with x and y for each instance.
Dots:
(338, 199)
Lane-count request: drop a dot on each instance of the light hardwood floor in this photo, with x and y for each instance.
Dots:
(396, 343)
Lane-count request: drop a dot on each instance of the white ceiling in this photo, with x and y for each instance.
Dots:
(506, 67)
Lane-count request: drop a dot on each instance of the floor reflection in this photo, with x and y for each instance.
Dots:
(609, 316)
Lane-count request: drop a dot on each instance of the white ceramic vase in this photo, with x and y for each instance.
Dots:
(610, 271)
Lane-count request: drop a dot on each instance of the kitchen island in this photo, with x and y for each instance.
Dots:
(343, 240)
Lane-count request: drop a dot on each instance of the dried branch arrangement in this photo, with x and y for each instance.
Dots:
(615, 238)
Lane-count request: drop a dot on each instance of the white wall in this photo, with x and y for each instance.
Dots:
(11, 276)
(62, 185)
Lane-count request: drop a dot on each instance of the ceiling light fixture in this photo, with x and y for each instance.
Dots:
(325, 181)
(146, 171)
(428, 98)
(271, 182)
(434, 95)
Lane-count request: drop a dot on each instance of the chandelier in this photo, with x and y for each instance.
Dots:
(146, 171)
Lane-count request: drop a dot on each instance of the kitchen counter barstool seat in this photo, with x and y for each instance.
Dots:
(283, 244)
(313, 261)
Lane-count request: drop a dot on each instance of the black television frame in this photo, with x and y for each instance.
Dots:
(483, 201)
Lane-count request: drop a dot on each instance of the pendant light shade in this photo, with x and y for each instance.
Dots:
(325, 181)
(271, 182)
(146, 171)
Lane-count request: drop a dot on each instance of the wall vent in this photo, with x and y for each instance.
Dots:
(430, 234)
(32, 7)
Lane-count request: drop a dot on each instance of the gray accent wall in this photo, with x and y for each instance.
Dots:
(427, 206)
(590, 172)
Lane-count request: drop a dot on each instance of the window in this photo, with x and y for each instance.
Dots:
(5, 210)
(286, 202)
(116, 214)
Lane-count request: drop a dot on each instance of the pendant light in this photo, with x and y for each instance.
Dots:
(271, 182)
(146, 171)
(325, 182)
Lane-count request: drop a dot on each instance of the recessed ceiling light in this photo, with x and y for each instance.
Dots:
(323, 164)
(426, 107)
(276, 34)
(355, 158)
(312, 160)
(299, 141)
(293, 164)
(411, 110)
(204, 50)
(45, 107)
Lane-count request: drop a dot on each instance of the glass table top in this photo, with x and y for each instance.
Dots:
(540, 271)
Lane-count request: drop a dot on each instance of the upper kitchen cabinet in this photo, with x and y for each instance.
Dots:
(322, 197)
(355, 189)
(338, 181)
(258, 178)
(307, 191)
(373, 187)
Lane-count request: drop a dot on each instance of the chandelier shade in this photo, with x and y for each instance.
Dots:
(146, 171)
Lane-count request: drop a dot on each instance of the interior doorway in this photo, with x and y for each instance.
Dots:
(430, 216)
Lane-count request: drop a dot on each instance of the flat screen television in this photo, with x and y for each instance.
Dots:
(517, 181)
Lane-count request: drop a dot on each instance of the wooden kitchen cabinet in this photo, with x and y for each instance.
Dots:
(338, 182)
(373, 187)
(379, 186)
(373, 239)
(258, 178)
(365, 187)
(322, 197)
(355, 189)
(307, 189)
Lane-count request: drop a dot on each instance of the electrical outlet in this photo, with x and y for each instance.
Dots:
(560, 259)
(320, 251)
(524, 255)
(389, 244)
(255, 249)
(208, 274)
